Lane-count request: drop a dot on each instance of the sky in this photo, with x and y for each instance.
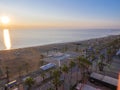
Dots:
(62, 13)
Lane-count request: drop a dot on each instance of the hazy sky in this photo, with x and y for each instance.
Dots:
(62, 13)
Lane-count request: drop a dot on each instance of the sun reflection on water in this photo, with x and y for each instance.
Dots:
(7, 40)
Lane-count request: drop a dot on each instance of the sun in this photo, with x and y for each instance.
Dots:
(5, 19)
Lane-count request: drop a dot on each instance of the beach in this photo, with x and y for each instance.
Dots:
(19, 59)
(59, 44)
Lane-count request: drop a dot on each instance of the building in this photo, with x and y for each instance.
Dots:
(60, 59)
(47, 66)
(118, 53)
(85, 87)
(104, 80)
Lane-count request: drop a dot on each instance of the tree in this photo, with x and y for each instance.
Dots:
(56, 80)
(43, 75)
(42, 56)
(78, 69)
(102, 57)
(84, 64)
(1, 73)
(65, 70)
(50, 72)
(20, 71)
(7, 73)
(93, 57)
(65, 48)
(77, 48)
(71, 65)
(41, 62)
(50, 88)
(29, 82)
(109, 55)
(27, 67)
(101, 64)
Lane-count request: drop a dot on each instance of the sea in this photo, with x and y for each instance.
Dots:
(35, 37)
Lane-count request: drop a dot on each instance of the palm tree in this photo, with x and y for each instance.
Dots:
(42, 56)
(79, 63)
(93, 57)
(71, 65)
(56, 80)
(109, 55)
(27, 67)
(65, 70)
(84, 64)
(50, 88)
(43, 75)
(7, 73)
(41, 62)
(29, 82)
(50, 72)
(65, 48)
(20, 71)
(101, 64)
(102, 57)
(1, 73)
(77, 48)
(78, 69)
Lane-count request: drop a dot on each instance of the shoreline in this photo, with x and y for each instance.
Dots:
(45, 45)
(16, 58)
(60, 37)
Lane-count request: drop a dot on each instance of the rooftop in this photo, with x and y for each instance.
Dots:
(104, 78)
(47, 66)
(85, 87)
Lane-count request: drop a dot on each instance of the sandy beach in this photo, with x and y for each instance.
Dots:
(18, 59)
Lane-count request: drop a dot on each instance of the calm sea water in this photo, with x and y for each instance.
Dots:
(28, 38)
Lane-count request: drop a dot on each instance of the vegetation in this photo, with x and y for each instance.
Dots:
(71, 65)
(84, 65)
(29, 82)
(81, 63)
(56, 79)
(65, 71)
(27, 66)
(7, 73)
(43, 75)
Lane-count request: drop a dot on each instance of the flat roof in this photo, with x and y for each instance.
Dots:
(86, 87)
(118, 52)
(47, 66)
(62, 57)
(110, 80)
(104, 78)
(97, 76)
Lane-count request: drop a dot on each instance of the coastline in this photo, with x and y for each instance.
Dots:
(41, 38)
(58, 43)
(16, 58)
